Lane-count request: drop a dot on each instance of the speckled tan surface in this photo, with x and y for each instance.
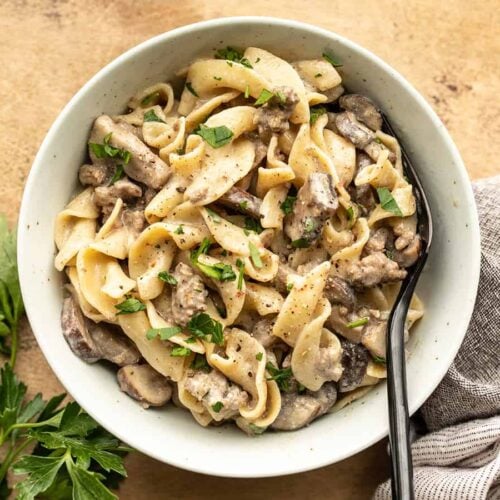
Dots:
(50, 48)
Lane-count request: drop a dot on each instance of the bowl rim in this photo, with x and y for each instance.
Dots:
(23, 234)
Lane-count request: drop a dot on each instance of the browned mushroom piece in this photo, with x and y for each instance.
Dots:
(113, 345)
(363, 108)
(76, 332)
(92, 342)
(299, 410)
(354, 361)
(241, 201)
(353, 130)
(338, 291)
(95, 174)
(144, 384)
(408, 255)
(144, 166)
(124, 189)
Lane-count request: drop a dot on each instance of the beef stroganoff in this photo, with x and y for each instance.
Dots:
(237, 248)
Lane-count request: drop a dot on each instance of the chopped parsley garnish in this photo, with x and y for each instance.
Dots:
(252, 224)
(258, 356)
(190, 88)
(150, 98)
(264, 97)
(233, 55)
(332, 60)
(350, 213)
(200, 363)
(256, 429)
(316, 112)
(219, 271)
(281, 97)
(241, 270)
(287, 205)
(163, 333)
(217, 407)
(105, 150)
(202, 326)
(247, 92)
(130, 306)
(180, 351)
(254, 255)
(243, 205)
(167, 278)
(151, 116)
(357, 322)
(289, 287)
(119, 173)
(378, 359)
(281, 376)
(179, 230)
(214, 136)
(203, 248)
(300, 243)
(387, 201)
(218, 78)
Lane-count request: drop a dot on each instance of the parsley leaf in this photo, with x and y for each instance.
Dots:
(119, 173)
(287, 205)
(265, 96)
(190, 88)
(357, 322)
(252, 224)
(219, 271)
(281, 376)
(254, 255)
(300, 243)
(130, 306)
(151, 116)
(149, 99)
(180, 351)
(247, 92)
(214, 136)
(258, 356)
(217, 407)
(316, 112)
(332, 60)
(387, 201)
(11, 301)
(179, 230)
(105, 150)
(378, 359)
(200, 363)
(164, 333)
(233, 55)
(203, 248)
(202, 326)
(167, 278)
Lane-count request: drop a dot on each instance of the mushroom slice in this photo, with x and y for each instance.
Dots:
(352, 129)
(144, 384)
(363, 108)
(354, 361)
(242, 201)
(113, 345)
(76, 333)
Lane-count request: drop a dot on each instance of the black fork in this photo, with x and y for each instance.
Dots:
(399, 421)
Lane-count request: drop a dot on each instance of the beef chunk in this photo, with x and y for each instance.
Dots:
(144, 166)
(124, 189)
(241, 201)
(353, 130)
(94, 175)
(338, 291)
(363, 108)
(189, 296)
(316, 203)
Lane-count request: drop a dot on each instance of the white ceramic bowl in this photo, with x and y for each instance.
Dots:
(448, 285)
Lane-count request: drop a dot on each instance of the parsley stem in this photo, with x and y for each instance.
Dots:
(13, 346)
(12, 454)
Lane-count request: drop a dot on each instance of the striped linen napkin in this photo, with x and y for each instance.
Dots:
(460, 458)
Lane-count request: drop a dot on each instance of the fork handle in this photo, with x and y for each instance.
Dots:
(399, 421)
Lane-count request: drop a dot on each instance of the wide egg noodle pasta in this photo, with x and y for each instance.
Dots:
(167, 136)
(263, 299)
(300, 304)
(102, 281)
(155, 351)
(243, 368)
(75, 227)
(280, 73)
(271, 214)
(353, 251)
(273, 407)
(319, 74)
(87, 309)
(152, 253)
(306, 353)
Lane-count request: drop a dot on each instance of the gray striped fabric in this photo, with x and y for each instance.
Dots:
(460, 458)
